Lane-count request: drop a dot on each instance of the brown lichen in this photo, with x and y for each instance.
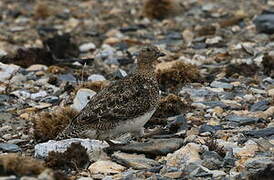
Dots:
(47, 125)
(160, 9)
(268, 65)
(74, 157)
(176, 73)
(241, 69)
(171, 105)
(14, 164)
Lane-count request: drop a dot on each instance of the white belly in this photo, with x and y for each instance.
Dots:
(134, 126)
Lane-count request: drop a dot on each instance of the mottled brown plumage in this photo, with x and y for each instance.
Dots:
(124, 106)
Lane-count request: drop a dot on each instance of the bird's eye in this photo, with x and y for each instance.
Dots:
(147, 49)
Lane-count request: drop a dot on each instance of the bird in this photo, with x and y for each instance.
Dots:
(123, 107)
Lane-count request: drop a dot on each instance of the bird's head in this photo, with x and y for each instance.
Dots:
(149, 55)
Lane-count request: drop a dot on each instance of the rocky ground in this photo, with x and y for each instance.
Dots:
(216, 115)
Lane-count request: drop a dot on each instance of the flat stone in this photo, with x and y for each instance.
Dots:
(261, 132)
(211, 160)
(258, 164)
(96, 77)
(8, 177)
(229, 160)
(6, 147)
(120, 73)
(37, 67)
(87, 47)
(134, 161)
(218, 84)
(7, 70)
(153, 147)
(105, 167)
(260, 106)
(190, 153)
(210, 128)
(38, 95)
(67, 78)
(42, 149)
(242, 120)
(212, 104)
(82, 98)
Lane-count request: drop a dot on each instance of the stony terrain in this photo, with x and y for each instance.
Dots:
(216, 116)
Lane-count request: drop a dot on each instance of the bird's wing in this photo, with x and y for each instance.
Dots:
(124, 99)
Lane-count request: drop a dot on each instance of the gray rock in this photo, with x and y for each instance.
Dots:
(258, 164)
(38, 95)
(201, 172)
(7, 70)
(211, 160)
(210, 128)
(120, 73)
(242, 120)
(42, 149)
(16, 141)
(265, 23)
(82, 98)
(8, 177)
(3, 53)
(87, 47)
(218, 84)
(179, 124)
(229, 160)
(67, 78)
(96, 77)
(50, 99)
(203, 92)
(6, 147)
(261, 132)
(152, 147)
(212, 104)
(134, 161)
(260, 106)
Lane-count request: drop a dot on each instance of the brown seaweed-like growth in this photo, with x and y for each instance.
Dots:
(171, 105)
(212, 145)
(241, 69)
(268, 65)
(42, 10)
(160, 9)
(175, 73)
(47, 125)
(14, 164)
(74, 157)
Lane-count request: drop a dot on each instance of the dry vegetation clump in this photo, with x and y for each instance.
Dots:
(26, 57)
(95, 86)
(42, 10)
(74, 157)
(47, 125)
(241, 69)
(212, 145)
(14, 164)
(268, 65)
(176, 73)
(160, 9)
(171, 105)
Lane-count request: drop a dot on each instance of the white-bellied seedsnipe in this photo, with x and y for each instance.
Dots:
(122, 107)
